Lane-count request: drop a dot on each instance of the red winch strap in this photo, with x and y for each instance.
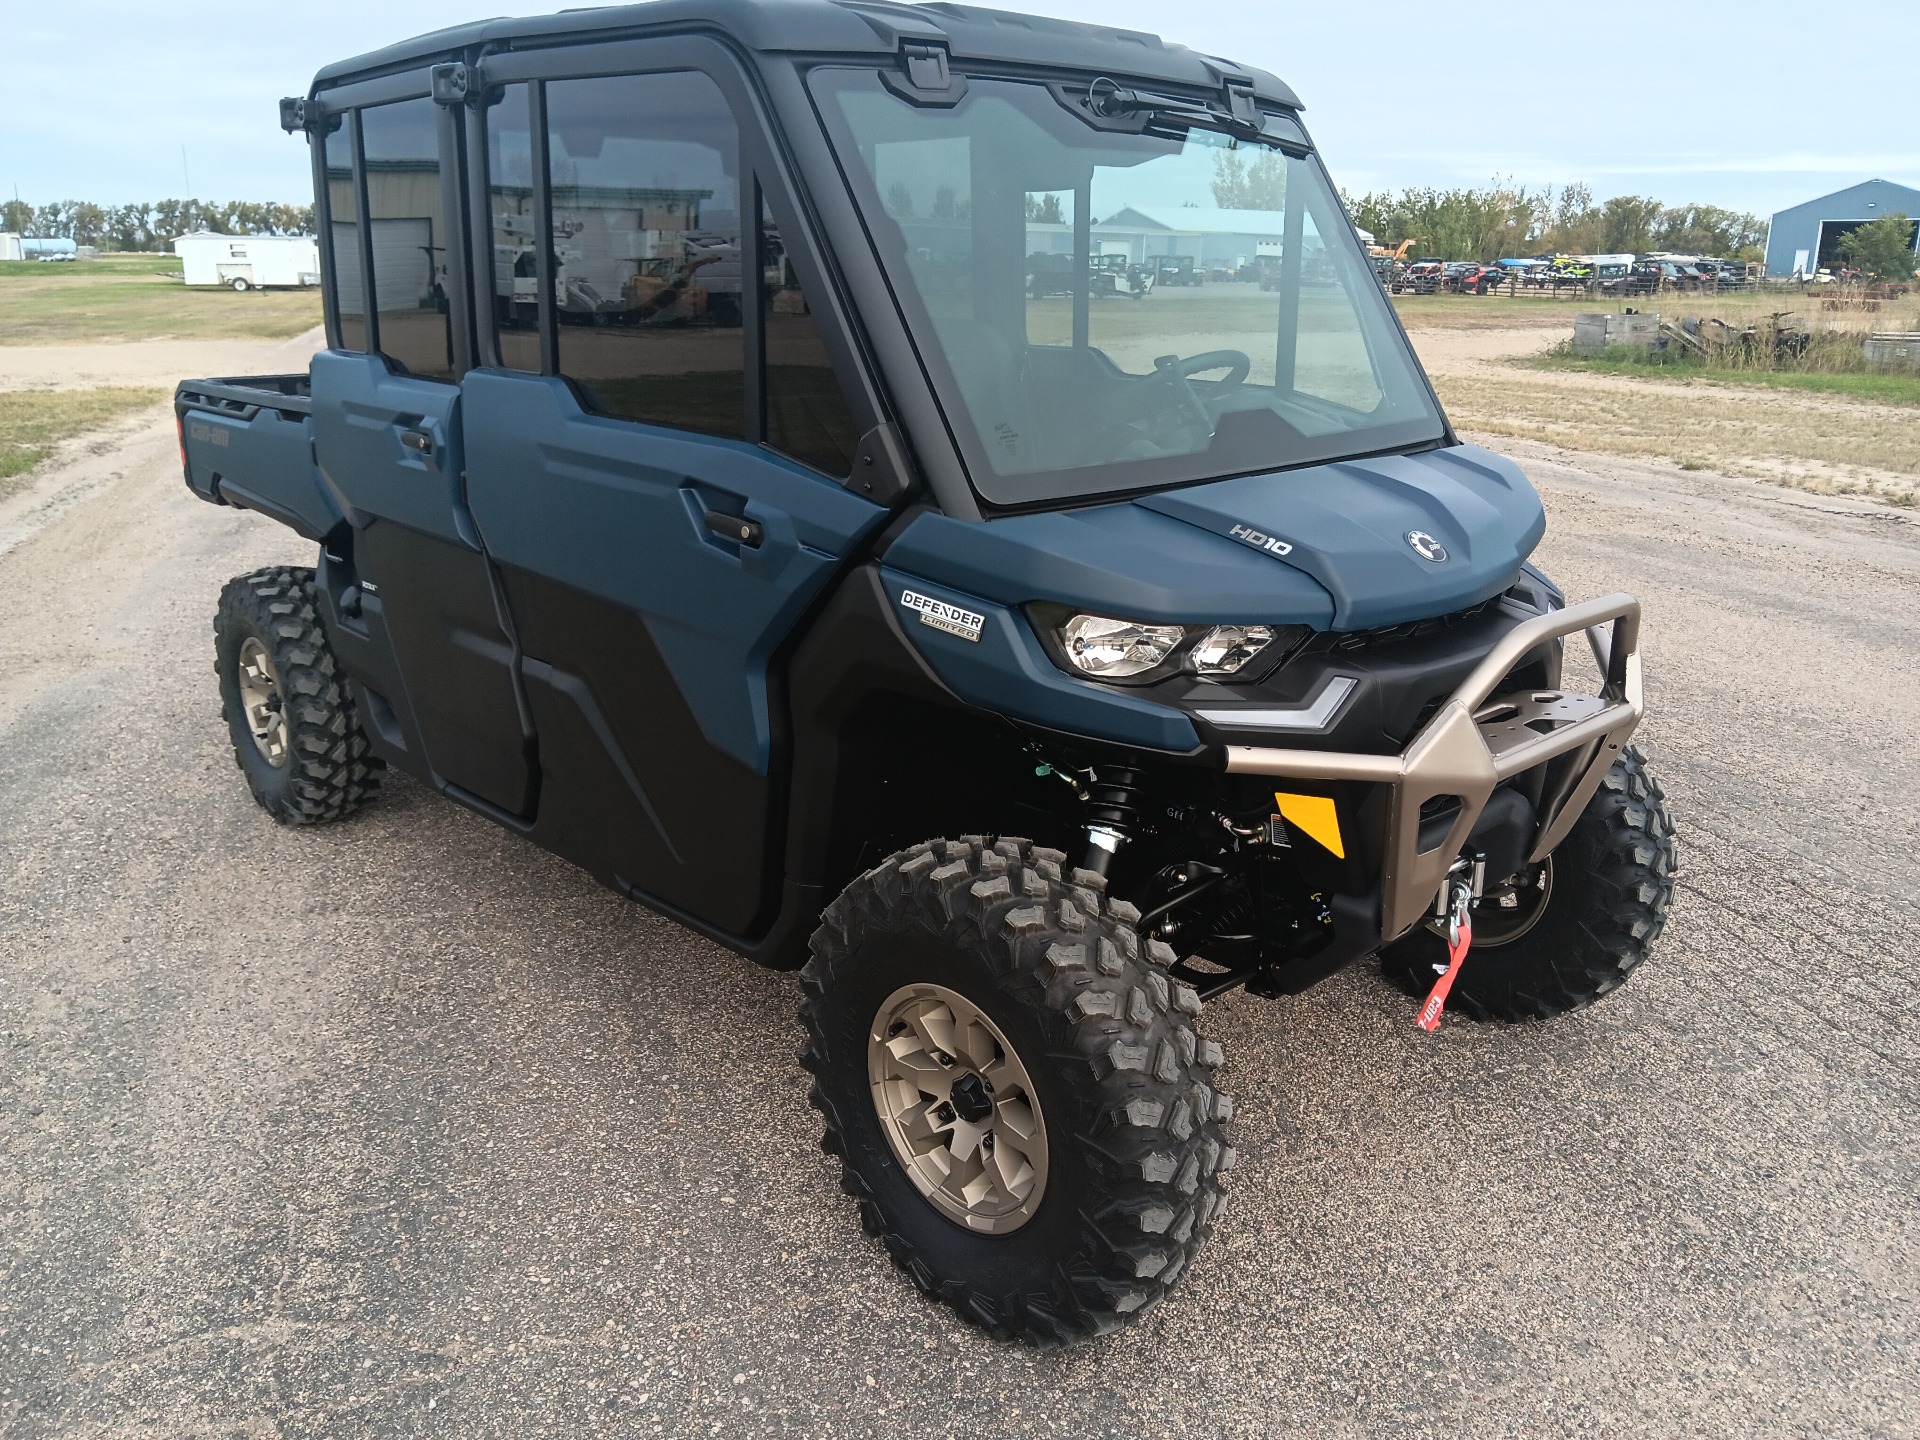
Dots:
(1437, 997)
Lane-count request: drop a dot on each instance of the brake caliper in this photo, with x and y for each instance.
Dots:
(1459, 940)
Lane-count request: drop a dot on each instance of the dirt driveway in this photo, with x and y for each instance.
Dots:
(401, 1127)
(1821, 443)
(149, 362)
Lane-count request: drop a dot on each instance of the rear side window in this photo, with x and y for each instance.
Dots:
(645, 177)
(401, 146)
(343, 205)
(514, 224)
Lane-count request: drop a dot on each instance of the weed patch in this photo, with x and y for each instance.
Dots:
(33, 422)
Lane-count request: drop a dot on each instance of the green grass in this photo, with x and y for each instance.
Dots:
(128, 297)
(117, 263)
(1879, 387)
(33, 422)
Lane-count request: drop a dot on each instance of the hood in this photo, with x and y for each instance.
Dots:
(1392, 539)
(1325, 546)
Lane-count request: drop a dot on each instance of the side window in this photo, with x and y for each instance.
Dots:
(807, 416)
(515, 224)
(344, 206)
(401, 145)
(645, 176)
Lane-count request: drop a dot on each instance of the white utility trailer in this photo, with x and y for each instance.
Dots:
(249, 262)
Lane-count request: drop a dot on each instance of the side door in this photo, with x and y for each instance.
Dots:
(657, 459)
(390, 439)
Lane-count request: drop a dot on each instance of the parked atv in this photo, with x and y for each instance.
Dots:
(1177, 271)
(1025, 681)
(1423, 277)
(1117, 277)
(1473, 278)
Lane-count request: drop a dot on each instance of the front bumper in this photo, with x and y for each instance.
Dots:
(1479, 738)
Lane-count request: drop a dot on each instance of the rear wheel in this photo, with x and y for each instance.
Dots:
(295, 734)
(1571, 929)
(240, 283)
(1015, 1089)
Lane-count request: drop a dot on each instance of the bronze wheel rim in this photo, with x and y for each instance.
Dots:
(262, 703)
(958, 1108)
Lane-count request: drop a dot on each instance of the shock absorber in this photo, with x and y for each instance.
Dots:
(1113, 814)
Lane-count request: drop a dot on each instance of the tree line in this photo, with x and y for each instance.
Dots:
(151, 226)
(1470, 223)
(1503, 219)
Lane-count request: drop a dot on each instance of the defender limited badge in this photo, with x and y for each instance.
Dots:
(1272, 544)
(1426, 547)
(942, 616)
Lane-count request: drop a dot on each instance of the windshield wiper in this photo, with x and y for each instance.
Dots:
(1107, 105)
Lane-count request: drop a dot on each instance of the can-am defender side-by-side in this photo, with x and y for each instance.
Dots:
(730, 471)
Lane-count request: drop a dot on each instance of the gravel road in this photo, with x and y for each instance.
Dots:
(402, 1127)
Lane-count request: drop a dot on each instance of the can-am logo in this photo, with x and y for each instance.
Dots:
(967, 624)
(1426, 547)
(1272, 544)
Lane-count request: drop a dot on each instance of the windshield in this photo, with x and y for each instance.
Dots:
(1108, 311)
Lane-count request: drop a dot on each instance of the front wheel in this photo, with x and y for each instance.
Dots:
(1570, 929)
(1020, 1102)
(240, 284)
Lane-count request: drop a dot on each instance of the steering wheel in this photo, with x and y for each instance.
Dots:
(1235, 362)
(1178, 373)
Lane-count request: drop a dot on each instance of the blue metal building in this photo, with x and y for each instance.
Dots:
(1806, 237)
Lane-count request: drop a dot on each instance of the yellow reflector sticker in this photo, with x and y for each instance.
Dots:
(1313, 816)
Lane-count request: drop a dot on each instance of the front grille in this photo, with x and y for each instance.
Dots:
(1413, 629)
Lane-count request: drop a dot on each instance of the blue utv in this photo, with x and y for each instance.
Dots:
(702, 489)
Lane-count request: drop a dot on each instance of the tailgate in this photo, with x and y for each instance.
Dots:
(248, 442)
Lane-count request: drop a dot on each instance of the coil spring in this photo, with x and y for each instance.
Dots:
(1113, 799)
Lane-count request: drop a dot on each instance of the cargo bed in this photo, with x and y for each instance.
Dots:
(248, 441)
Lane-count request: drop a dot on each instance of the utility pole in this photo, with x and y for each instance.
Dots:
(186, 174)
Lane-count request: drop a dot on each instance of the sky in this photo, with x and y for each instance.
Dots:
(1754, 106)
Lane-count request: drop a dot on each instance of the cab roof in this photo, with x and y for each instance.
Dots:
(836, 27)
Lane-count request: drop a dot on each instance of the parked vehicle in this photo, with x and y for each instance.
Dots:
(1027, 691)
(1117, 276)
(1176, 270)
(1670, 274)
(1422, 277)
(1049, 274)
(1473, 278)
(1636, 279)
(249, 262)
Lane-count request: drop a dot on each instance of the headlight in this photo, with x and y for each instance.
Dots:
(1132, 650)
(1225, 648)
(1112, 648)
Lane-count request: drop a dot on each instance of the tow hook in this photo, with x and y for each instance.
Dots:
(1456, 900)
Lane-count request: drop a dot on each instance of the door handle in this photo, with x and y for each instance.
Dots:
(418, 441)
(732, 527)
